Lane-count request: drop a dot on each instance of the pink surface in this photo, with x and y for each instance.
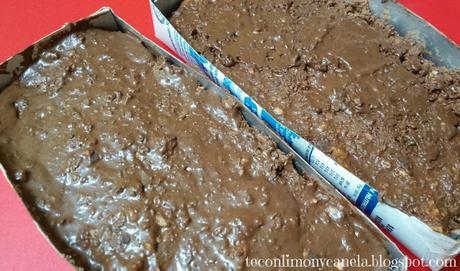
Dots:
(443, 14)
(22, 246)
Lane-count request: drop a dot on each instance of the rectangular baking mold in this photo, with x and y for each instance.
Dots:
(106, 19)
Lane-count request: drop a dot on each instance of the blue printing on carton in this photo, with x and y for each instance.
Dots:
(367, 199)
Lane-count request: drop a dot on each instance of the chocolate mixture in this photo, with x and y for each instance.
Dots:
(343, 80)
(128, 164)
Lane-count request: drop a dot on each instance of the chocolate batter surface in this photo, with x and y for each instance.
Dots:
(349, 84)
(128, 164)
